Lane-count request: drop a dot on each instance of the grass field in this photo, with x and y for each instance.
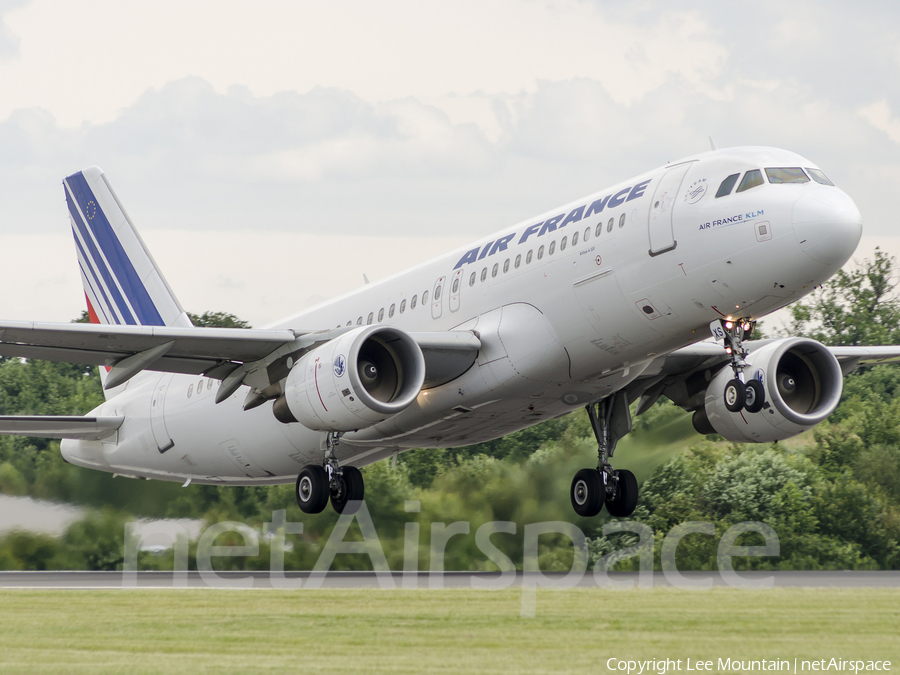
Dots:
(366, 631)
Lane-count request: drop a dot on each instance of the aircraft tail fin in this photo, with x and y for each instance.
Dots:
(122, 282)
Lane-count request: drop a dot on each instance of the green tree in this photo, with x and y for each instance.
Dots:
(855, 307)
(218, 320)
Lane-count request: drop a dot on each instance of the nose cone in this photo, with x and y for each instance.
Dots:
(827, 226)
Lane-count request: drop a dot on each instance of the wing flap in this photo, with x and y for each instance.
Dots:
(59, 426)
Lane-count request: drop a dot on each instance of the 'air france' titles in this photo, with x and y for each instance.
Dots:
(731, 220)
(555, 223)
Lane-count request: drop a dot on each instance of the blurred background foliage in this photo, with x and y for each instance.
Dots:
(832, 494)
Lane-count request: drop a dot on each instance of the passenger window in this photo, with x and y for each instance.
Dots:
(456, 284)
(412, 305)
(391, 312)
(598, 230)
(199, 386)
(819, 177)
(727, 185)
(472, 279)
(564, 243)
(575, 239)
(494, 270)
(540, 252)
(402, 306)
(609, 225)
(751, 179)
(518, 260)
(506, 266)
(587, 234)
(380, 315)
(787, 175)
(209, 382)
(350, 323)
(437, 293)
(425, 298)
(484, 274)
(552, 247)
(622, 220)
(528, 258)
(359, 321)
(190, 391)
(369, 320)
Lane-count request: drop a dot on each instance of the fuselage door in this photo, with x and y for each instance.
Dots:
(662, 237)
(455, 287)
(157, 413)
(437, 298)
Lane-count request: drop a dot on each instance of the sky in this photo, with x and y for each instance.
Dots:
(270, 153)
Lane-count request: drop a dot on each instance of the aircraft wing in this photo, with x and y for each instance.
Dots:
(58, 426)
(193, 350)
(233, 355)
(670, 372)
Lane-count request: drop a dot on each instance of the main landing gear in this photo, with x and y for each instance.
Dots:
(343, 485)
(618, 489)
(739, 395)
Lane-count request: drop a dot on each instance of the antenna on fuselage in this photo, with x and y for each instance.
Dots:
(365, 278)
(712, 144)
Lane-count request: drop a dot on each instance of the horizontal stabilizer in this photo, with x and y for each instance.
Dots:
(59, 426)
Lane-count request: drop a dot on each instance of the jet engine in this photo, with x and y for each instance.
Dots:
(353, 381)
(803, 384)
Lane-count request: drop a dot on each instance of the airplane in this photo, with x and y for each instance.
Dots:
(607, 300)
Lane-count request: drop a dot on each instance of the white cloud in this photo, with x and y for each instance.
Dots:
(879, 115)
(410, 121)
(85, 61)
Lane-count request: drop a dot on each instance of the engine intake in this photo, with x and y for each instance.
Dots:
(803, 383)
(353, 381)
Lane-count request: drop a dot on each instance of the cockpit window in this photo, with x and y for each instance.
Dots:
(727, 185)
(751, 179)
(787, 175)
(819, 177)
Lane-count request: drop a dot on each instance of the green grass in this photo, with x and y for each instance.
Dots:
(366, 631)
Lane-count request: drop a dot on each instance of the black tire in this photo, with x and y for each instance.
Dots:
(311, 489)
(623, 502)
(350, 492)
(587, 493)
(735, 395)
(755, 396)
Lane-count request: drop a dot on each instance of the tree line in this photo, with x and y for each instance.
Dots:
(832, 495)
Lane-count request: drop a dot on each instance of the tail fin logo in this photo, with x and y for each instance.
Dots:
(90, 209)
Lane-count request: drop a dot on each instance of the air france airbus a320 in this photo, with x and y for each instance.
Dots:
(595, 304)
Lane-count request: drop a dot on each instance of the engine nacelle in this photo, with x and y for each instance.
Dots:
(803, 384)
(353, 381)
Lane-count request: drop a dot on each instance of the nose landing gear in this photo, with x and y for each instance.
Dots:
(739, 395)
(343, 485)
(592, 488)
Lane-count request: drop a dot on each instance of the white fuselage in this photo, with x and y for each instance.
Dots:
(562, 322)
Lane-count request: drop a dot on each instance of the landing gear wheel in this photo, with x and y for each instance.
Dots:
(587, 492)
(350, 491)
(755, 396)
(312, 489)
(735, 395)
(622, 503)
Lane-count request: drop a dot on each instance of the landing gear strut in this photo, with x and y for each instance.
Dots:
(618, 489)
(739, 394)
(344, 485)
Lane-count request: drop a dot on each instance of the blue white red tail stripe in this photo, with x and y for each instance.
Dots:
(122, 283)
